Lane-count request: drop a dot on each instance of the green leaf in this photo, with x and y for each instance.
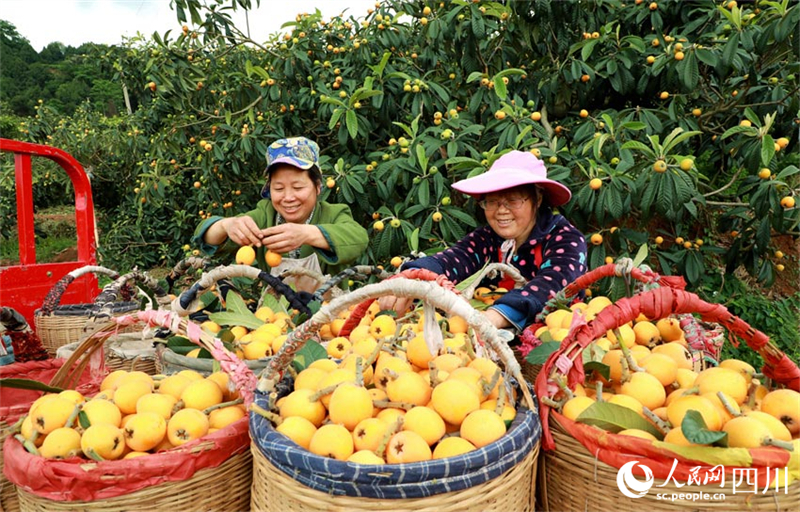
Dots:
(335, 118)
(413, 240)
(475, 75)
(540, 354)
(767, 150)
(83, 420)
(421, 158)
(639, 146)
(737, 129)
(230, 318)
(691, 72)
(180, 345)
(500, 87)
(599, 367)
(615, 418)
(311, 351)
(30, 384)
(694, 429)
(588, 48)
(707, 57)
(382, 64)
(729, 52)
(641, 255)
(352, 123)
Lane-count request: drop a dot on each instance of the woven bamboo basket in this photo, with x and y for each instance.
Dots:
(127, 351)
(708, 338)
(211, 474)
(275, 490)
(581, 478)
(58, 325)
(15, 406)
(498, 477)
(576, 480)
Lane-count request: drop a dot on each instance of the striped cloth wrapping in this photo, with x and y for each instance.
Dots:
(396, 481)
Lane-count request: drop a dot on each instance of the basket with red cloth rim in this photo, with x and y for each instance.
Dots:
(704, 340)
(583, 462)
(210, 473)
(15, 402)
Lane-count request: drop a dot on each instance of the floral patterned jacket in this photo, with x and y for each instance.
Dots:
(553, 256)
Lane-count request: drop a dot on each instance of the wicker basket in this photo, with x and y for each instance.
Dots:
(499, 476)
(644, 279)
(223, 488)
(58, 325)
(210, 474)
(584, 478)
(576, 480)
(274, 490)
(127, 351)
(16, 406)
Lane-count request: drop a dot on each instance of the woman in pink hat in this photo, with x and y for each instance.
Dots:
(522, 231)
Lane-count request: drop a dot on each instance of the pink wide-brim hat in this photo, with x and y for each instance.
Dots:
(511, 170)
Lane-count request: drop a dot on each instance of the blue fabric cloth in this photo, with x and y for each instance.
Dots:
(394, 481)
(8, 344)
(563, 250)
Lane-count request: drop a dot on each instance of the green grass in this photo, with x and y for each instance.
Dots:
(46, 249)
(57, 223)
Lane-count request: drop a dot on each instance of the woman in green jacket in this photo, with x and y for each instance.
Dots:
(289, 220)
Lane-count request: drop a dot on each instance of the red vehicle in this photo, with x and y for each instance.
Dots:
(24, 286)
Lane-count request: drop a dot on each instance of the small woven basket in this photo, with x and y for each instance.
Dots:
(58, 325)
(593, 480)
(209, 474)
(127, 351)
(498, 477)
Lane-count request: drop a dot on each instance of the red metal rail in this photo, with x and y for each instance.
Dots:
(24, 286)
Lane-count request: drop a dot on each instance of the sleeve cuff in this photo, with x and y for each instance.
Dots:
(328, 255)
(197, 239)
(516, 318)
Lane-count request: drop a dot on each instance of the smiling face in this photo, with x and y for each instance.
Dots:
(293, 192)
(508, 222)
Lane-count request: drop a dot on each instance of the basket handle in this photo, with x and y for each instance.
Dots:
(492, 270)
(356, 273)
(187, 302)
(113, 291)
(623, 268)
(68, 375)
(53, 298)
(183, 266)
(430, 292)
(412, 273)
(658, 303)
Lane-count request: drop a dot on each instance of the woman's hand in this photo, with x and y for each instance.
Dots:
(399, 304)
(242, 230)
(288, 237)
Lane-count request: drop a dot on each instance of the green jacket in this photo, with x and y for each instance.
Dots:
(347, 238)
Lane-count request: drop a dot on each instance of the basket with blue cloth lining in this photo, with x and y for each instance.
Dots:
(499, 476)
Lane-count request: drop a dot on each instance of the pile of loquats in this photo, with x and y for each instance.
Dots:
(647, 368)
(258, 343)
(382, 397)
(134, 414)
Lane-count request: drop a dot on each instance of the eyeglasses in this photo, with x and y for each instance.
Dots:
(510, 204)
